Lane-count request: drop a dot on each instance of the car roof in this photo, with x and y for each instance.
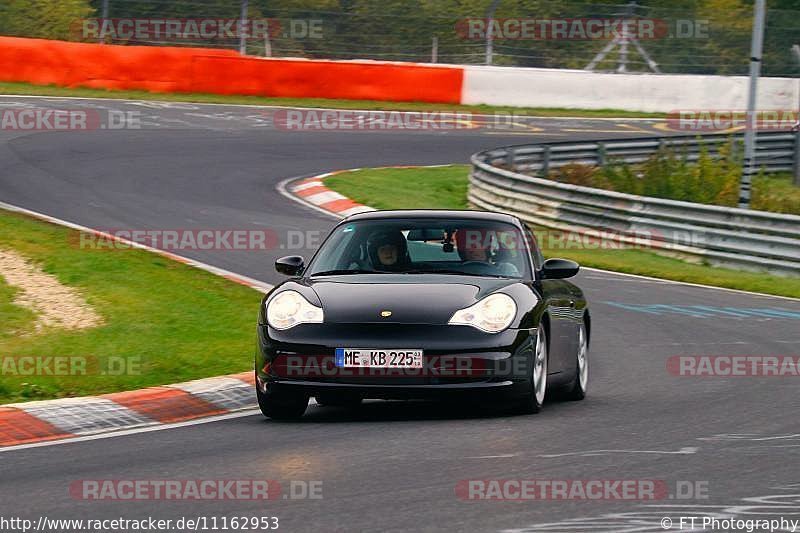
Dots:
(434, 214)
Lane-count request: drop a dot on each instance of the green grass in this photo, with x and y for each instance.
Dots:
(52, 90)
(14, 320)
(446, 187)
(179, 322)
(421, 188)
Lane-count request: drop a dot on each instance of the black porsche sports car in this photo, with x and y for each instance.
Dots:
(422, 304)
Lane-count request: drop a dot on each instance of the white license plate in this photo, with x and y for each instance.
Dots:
(363, 358)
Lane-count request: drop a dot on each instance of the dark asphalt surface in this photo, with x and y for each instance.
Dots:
(393, 466)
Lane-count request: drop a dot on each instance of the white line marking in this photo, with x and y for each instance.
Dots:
(688, 284)
(592, 453)
(261, 106)
(307, 185)
(504, 456)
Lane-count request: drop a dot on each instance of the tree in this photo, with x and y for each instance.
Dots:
(50, 19)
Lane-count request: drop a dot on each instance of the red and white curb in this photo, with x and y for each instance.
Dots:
(48, 420)
(313, 191)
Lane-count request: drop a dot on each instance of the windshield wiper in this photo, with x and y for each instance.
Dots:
(344, 272)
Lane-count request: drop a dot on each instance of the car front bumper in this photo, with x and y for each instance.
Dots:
(457, 361)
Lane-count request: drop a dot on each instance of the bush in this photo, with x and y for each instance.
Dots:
(777, 194)
(712, 179)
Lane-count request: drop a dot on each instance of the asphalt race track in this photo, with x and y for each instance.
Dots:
(393, 466)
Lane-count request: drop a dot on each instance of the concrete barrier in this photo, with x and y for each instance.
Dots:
(535, 87)
(179, 69)
(199, 70)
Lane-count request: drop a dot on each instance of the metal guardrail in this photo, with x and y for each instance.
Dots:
(507, 179)
(775, 151)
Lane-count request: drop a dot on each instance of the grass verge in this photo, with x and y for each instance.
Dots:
(52, 90)
(446, 187)
(165, 322)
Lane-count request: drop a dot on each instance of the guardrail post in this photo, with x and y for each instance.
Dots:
(797, 157)
(242, 25)
(601, 154)
(510, 156)
(545, 161)
(104, 16)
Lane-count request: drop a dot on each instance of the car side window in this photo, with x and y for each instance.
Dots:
(342, 246)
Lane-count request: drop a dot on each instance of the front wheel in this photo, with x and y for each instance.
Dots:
(534, 400)
(577, 390)
(282, 405)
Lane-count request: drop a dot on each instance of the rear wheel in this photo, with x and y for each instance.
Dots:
(533, 401)
(577, 390)
(282, 405)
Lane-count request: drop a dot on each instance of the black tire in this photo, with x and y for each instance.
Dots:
(576, 390)
(334, 399)
(533, 402)
(282, 405)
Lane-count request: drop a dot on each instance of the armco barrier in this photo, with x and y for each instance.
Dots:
(174, 69)
(775, 151)
(507, 179)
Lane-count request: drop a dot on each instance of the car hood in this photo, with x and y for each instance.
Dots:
(431, 302)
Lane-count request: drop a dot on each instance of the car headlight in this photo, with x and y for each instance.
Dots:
(289, 308)
(493, 314)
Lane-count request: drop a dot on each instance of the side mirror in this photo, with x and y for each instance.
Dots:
(559, 269)
(291, 265)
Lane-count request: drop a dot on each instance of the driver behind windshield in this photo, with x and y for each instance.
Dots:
(388, 251)
(475, 248)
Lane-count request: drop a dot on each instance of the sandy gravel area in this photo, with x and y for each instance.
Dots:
(55, 304)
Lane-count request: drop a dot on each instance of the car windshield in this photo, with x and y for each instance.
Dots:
(457, 247)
